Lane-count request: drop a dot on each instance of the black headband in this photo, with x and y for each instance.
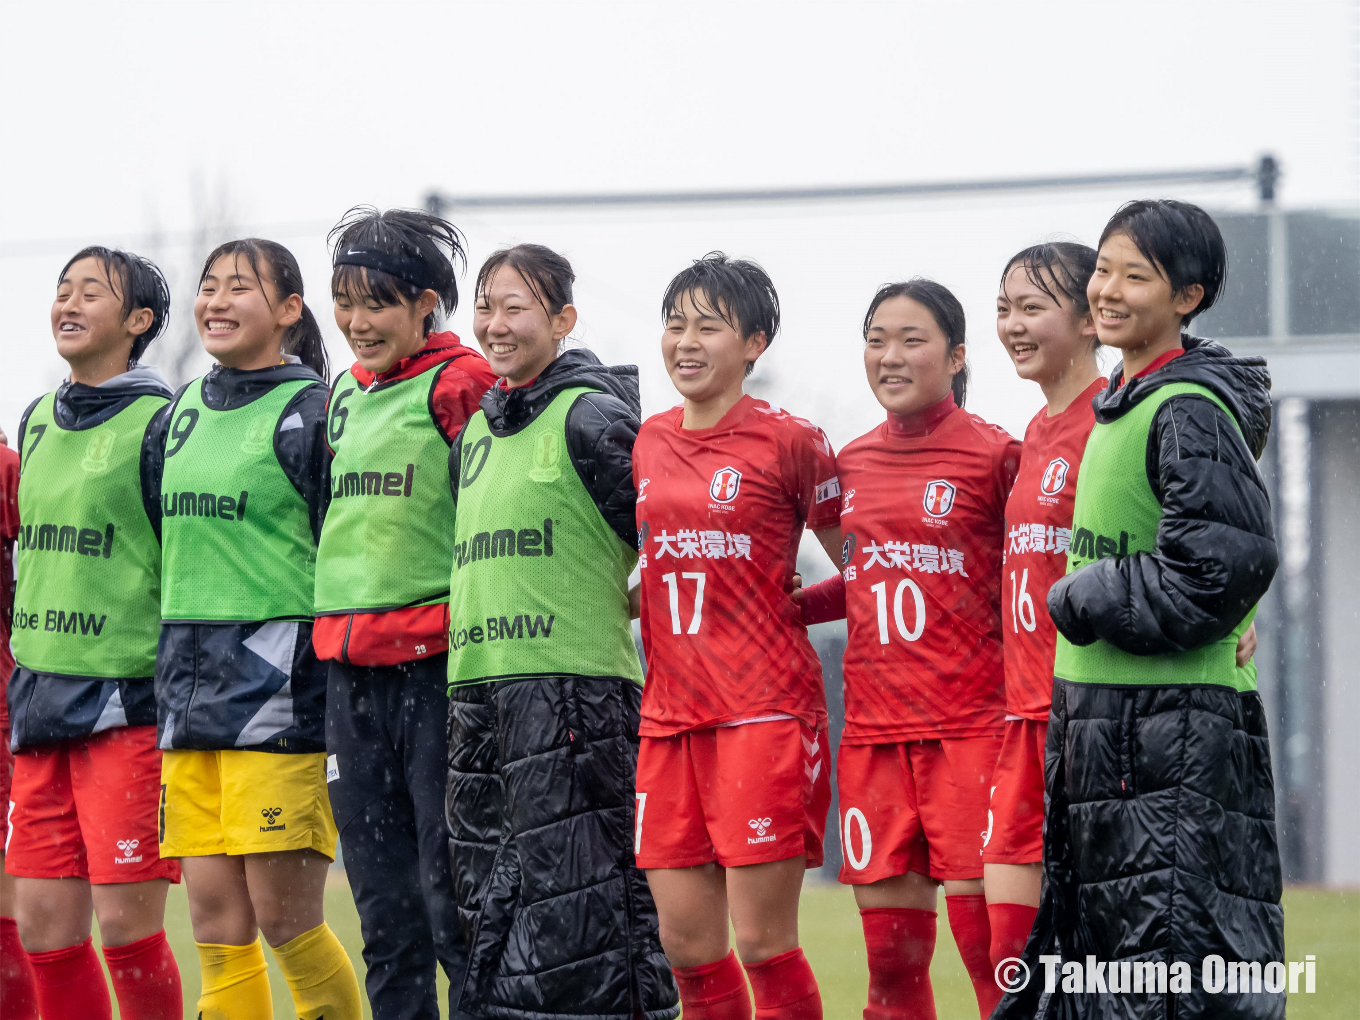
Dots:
(413, 271)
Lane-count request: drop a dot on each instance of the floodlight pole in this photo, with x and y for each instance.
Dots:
(1265, 175)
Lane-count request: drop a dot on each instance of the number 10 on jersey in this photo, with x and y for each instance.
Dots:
(918, 625)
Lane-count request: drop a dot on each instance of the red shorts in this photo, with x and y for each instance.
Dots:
(745, 794)
(917, 805)
(88, 809)
(1015, 820)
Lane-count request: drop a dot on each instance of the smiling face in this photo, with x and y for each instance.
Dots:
(1131, 299)
(517, 334)
(381, 335)
(1044, 335)
(705, 355)
(92, 333)
(907, 357)
(240, 317)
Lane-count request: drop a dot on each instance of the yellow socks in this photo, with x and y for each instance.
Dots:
(235, 986)
(320, 976)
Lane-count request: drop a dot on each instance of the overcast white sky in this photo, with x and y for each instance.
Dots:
(124, 118)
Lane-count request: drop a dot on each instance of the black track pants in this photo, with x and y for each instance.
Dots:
(541, 807)
(387, 743)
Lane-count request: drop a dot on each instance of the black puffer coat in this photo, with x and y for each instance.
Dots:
(542, 769)
(1159, 829)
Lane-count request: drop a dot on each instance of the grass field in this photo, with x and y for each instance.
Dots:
(1324, 923)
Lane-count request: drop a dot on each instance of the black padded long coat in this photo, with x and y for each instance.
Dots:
(1159, 828)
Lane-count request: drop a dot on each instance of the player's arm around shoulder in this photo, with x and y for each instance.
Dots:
(151, 464)
(455, 397)
(1005, 465)
(458, 389)
(812, 482)
(303, 453)
(1215, 552)
(601, 431)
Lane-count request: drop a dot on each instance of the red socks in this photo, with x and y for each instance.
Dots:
(18, 997)
(71, 984)
(714, 991)
(146, 979)
(785, 988)
(1011, 923)
(973, 935)
(900, 944)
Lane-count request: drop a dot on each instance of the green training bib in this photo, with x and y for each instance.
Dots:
(387, 541)
(88, 566)
(1116, 513)
(236, 534)
(540, 581)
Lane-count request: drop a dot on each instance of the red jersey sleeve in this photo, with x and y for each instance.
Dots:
(824, 601)
(814, 487)
(459, 390)
(1006, 453)
(9, 494)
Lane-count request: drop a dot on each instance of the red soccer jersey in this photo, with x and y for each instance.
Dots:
(720, 512)
(1038, 531)
(922, 519)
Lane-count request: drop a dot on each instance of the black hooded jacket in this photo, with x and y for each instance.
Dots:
(1215, 553)
(601, 429)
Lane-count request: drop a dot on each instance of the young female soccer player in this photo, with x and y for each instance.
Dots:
(733, 785)
(382, 589)
(922, 517)
(16, 973)
(82, 811)
(239, 691)
(1045, 325)
(1160, 848)
(544, 676)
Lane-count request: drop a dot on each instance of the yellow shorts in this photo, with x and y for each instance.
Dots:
(244, 802)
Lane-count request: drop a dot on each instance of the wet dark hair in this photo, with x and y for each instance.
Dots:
(548, 274)
(303, 339)
(1181, 240)
(738, 291)
(141, 284)
(940, 301)
(427, 244)
(1066, 265)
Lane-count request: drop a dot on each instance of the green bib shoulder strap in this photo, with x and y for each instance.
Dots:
(539, 581)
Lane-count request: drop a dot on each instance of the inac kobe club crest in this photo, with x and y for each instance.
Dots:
(726, 482)
(1055, 477)
(939, 497)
